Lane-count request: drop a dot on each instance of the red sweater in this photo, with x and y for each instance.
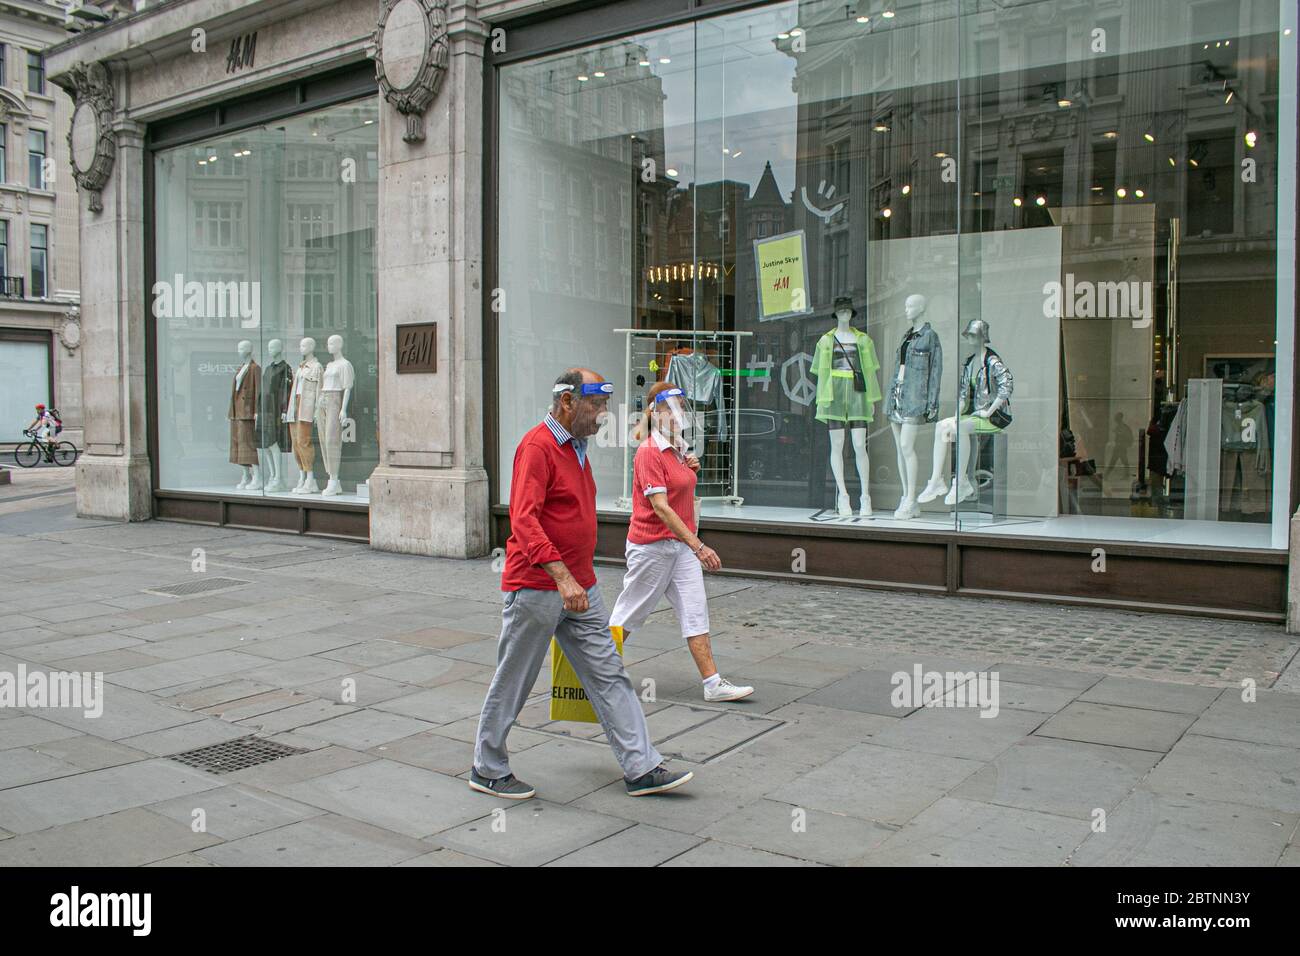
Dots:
(552, 514)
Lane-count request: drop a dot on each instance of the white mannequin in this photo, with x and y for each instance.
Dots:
(306, 478)
(249, 478)
(958, 430)
(272, 465)
(845, 335)
(338, 372)
(905, 433)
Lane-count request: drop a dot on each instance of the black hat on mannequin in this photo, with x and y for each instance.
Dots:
(844, 302)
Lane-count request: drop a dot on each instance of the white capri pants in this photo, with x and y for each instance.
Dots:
(664, 568)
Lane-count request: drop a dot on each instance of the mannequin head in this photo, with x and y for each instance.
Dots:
(914, 308)
(844, 311)
(307, 347)
(245, 349)
(976, 334)
(274, 348)
(335, 345)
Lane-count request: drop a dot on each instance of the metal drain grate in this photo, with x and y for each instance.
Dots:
(202, 585)
(236, 754)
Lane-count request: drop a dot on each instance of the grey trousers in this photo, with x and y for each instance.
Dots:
(528, 621)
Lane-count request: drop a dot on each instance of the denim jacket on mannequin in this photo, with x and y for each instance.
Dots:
(916, 398)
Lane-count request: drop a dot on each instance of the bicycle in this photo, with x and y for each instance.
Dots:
(62, 453)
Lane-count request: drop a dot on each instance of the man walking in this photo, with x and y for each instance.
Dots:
(550, 587)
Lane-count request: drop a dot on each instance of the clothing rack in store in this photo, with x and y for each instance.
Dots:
(717, 447)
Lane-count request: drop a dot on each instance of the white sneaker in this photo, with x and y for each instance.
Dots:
(725, 690)
(309, 487)
(907, 509)
(842, 505)
(865, 510)
(933, 489)
(963, 492)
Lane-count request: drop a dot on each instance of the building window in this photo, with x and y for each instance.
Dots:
(40, 260)
(36, 158)
(35, 72)
(4, 166)
(2, 64)
(4, 247)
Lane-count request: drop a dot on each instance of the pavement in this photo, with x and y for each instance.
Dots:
(345, 685)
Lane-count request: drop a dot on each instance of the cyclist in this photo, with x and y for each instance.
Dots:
(44, 426)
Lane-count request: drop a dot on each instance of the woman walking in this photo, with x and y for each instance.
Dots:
(665, 558)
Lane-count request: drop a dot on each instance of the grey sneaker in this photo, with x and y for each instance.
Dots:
(658, 780)
(508, 787)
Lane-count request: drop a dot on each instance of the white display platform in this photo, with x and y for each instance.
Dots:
(232, 491)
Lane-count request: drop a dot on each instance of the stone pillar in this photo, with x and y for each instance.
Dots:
(429, 494)
(113, 476)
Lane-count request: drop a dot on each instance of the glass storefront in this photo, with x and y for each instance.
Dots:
(1016, 268)
(265, 308)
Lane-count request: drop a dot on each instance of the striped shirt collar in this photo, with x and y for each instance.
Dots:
(562, 435)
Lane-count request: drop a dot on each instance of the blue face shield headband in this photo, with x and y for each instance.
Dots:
(586, 388)
(667, 393)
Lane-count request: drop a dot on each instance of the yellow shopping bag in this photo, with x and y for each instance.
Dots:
(568, 699)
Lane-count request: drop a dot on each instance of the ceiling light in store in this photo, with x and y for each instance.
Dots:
(907, 190)
(1121, 192)
(1194, 162)
(671, 171)
(1017, 202)
(1171, 161)
(881, 127)
(1041, 201)
(888, 14)
(783, 36)
(736, 154)
(1286, 32)
(1097, 189)
(1149, 136)
(940, 155)
(1251, 139)
(977, 193)
(886, 212)
(367, 122)
(1228, 99)
(212, 158)
(665, 60)
(726, 150)
(1139, 193)
(582, 78)
(247, 152)
(1063, 103)
(644, 63)
(795, 32)
(599, 73)
(203, 162)
(864, 19)
(1110, 134)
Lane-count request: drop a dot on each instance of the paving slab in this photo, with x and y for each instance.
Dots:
(395, 796)
(865, 691)
(563, 770)
(432, 751)
(234, 812)
(364, 729)
(292, 718)
(133, 837)
(1152, 829)
(298, 767)
(97, 793)
(1271, 718)
(1062, 777)
(90, 753)
(802, 833)
(1231, 771)
(359, 688)
(1020, 673)
(438, 705)
(714, 738)
(171, 673)
(960, 731)
(530, 832)
(811, 735)
(878, 783)
(1117, 726)
(957, 832)
(637, 845)
(328, 840)
(1151, 694)
(444, 857)
(191, 736)
(26, 730)
(715, 853)
(24, 765)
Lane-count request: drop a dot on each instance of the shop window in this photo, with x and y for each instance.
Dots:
(275, 314)
(1037, 193)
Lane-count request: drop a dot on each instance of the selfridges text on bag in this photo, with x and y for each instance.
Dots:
(568, 699)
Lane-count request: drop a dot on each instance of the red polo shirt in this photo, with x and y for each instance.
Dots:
(552, 514)
(657, 467)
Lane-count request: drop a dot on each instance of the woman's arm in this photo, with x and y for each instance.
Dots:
(708, 557)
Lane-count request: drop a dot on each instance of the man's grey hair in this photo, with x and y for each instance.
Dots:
(571, 377)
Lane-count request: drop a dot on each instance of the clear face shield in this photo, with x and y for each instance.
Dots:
(673, 417)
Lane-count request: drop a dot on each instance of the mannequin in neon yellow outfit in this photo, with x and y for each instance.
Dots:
(840, 353)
